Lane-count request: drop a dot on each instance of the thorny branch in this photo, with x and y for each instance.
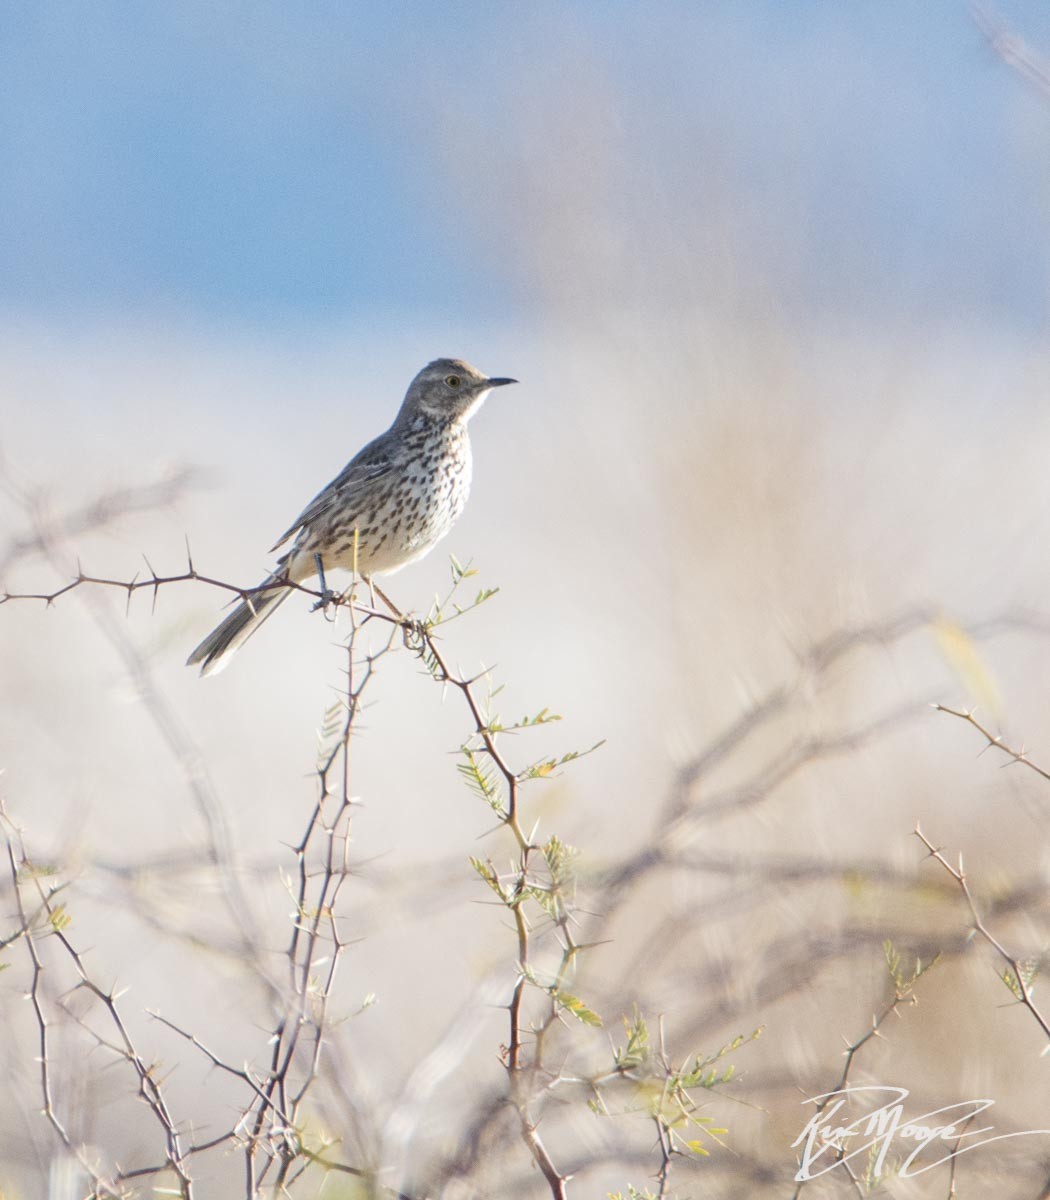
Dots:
(903, 994)
(43, 541)
(994, 741)
(1020, 976)
(513, 892)
(49, 923)
(274, 1117)
(269, 1131)
(99, 513)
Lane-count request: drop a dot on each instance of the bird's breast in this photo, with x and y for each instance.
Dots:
(413, 508)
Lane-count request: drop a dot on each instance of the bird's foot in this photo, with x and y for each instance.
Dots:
(327, 597)
(414, 629)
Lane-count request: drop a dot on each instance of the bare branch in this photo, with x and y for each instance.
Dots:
(994, 740)
(1020, 979)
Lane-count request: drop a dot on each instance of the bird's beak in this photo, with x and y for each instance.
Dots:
(492, 383)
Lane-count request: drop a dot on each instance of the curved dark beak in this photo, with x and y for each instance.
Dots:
(499, 382)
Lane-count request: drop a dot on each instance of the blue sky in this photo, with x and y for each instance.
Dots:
(257, 162)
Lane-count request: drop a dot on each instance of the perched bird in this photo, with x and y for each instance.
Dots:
(391, 503)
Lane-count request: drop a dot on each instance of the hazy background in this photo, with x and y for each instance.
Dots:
(774, 279)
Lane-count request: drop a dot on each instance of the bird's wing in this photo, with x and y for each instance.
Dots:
(371, 464)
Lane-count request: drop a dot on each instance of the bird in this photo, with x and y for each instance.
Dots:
(389, 506)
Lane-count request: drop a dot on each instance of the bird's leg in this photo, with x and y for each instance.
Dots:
(326, 596)
(413, 627)
(319, 564)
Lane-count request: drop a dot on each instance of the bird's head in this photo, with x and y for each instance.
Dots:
(449, 389)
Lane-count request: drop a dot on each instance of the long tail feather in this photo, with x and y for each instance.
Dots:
(215, 652)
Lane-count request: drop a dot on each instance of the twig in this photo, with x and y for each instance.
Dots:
(995, 741)
(1020, 985)
(149, 1087)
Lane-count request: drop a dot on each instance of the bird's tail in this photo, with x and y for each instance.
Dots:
(215, 652)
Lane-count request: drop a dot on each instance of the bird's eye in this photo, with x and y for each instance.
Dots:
(453, 381)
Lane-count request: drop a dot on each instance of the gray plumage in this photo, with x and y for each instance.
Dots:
(389, 505)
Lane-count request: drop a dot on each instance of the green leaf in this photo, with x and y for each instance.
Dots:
(460, 572)
(559, 857)
(488, 872)
(480, 778)
(546, 767)
(636, 1052)
(576, 1006)
(59, 918)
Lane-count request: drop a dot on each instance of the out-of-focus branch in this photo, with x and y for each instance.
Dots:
(682, 810)
(537, 893)
(813, 663)
(790, 965)
(52, 924)
(166, 720)
(788, 761)
(100, 513)
(1014, 51)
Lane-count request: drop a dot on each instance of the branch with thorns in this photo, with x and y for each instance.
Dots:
(268, 1131)
(1020, 975)
(903, 994)
(994, 740)
(538, 890)
(49, 922)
